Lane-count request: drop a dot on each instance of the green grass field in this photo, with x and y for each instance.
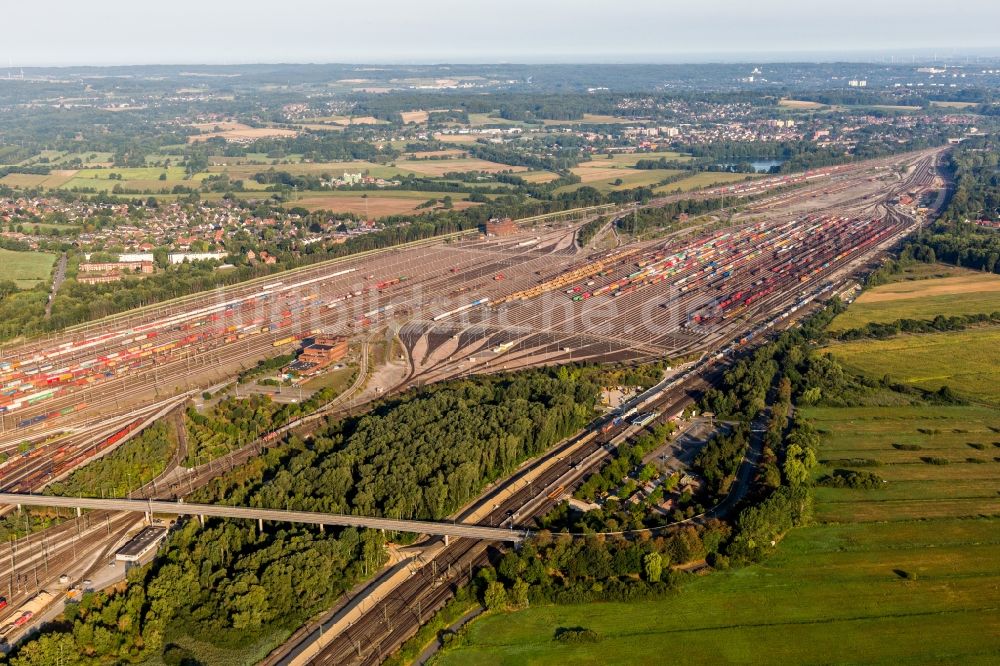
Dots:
(966, 361)
(142, 179)
(700, 180)
(834, 592)
(969, 293)
(602, 176)
(26, 269)
(631, 159)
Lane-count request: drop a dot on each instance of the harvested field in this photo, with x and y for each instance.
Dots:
(456, 138)
(969, 293)
(630, 159)
(418, 117)
(347, 120)
(435, 168)
(538, 176)
(594, 119)
(57, 178)
(800, 104)
(235, 131)
(377, 204)
(955, 285)
(244, 133)
(336, 169)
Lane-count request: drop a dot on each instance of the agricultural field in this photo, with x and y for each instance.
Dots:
(417, 117)
(402, 167)
(631, 159)
(347, 120)
(26, 269)
(602, 177)
(800, 104)
(456, 138)
(87, 158)
(260, 159)
(703, 179)
(921, 271)
(60, 157)
(906, 572)
(955, 105)
(376, 204)
(440, 154)
(233, 131)
(435, 168)
(58, 178)
(486, 119)
(538, 176)
(967, 361)
(335, 169)
(143, 179)
(592, 119)
(966, 293)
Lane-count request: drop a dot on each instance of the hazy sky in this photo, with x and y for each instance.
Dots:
(60, 32)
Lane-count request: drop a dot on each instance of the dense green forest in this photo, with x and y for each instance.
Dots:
(424, 454)
(131, 465)
(955, 238)
(976, 171)
(421, 455)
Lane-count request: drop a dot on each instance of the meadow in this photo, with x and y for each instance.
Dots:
(143, 179)
(26, 269)
(602, 176)
(966, 361)
(702, 179)
(631, 159)
(375, 204)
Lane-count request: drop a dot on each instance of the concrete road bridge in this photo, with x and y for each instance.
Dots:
(151, 506)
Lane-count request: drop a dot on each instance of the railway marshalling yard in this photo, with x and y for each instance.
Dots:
(459, 305)
(466, 304)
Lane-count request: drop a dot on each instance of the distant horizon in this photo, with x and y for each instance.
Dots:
(116, 33)
(819, 57)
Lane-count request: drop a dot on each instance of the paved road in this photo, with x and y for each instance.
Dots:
(274, 515)
(57, 279)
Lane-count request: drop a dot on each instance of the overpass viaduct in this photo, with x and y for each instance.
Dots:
(152, 506)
